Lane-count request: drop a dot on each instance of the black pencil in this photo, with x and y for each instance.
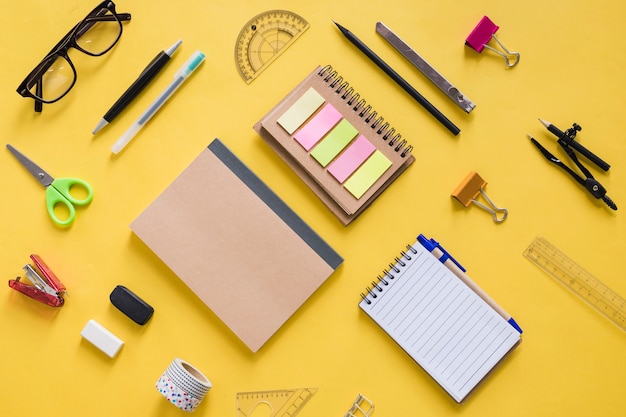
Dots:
(399, 80)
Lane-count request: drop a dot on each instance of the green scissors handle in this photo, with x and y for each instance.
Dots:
(60, 192)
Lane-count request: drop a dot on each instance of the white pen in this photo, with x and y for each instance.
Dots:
(181, 75)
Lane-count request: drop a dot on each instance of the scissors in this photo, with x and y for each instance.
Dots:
(58, 191)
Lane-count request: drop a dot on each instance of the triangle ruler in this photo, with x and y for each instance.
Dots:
(277, 403)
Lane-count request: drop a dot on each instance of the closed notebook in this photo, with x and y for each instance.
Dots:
(345, 151)
(450, 331)
(250, 258)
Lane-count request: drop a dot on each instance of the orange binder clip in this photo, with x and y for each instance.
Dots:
(468, 190)
(479, 38)
(46, 287)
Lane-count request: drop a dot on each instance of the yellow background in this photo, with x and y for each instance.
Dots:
(571, 70)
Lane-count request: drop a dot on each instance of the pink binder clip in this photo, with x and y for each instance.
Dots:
(482, 34)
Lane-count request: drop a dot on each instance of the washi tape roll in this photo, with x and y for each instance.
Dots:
(183, 385)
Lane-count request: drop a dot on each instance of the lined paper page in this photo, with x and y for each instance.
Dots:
(440, 322)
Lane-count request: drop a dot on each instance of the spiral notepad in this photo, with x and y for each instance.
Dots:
(448, 329)
(336, 142)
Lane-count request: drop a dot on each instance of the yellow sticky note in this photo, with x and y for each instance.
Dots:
(301, 110)
(367, 174)
(337, 139)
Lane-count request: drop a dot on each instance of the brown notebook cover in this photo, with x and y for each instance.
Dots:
(236, 244)
(340, 95)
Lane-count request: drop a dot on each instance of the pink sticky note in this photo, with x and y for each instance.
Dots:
(351, 158)
(317, 127)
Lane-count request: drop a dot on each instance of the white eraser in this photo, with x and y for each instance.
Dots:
(102, 338)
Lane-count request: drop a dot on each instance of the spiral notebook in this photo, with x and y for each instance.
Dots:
(336, 142)
(250, 258)
(446, 327)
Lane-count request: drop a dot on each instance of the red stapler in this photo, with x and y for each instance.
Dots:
(45, 288)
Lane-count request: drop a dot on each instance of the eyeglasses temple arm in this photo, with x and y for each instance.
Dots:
(39, 104)
(122, 17)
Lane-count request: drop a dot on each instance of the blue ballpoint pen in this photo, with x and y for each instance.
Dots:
(181, 75)
(440, 253)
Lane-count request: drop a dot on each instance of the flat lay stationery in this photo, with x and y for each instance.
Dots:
(568, 138)
(278, 270)
(578, 280)
(102, 338)
(180, 77)
(55, 75)
(449, 328)
(588, 181)
(361, 407)
(281, 402)
(58, 191)
(468, 192)
(131, 305)
(152, 69)
(200, 237)
(399, 80)
(44, 285)
(420, 63)
(479, 39)
(183, 385)
(336, 143)
(256, 49)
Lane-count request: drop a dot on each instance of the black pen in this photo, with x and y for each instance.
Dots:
(568, 139)
(398, 79)
(153, 68)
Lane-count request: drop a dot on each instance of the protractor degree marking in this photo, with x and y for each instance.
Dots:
(264, 38)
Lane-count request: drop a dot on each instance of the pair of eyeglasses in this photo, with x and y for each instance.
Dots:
(55, 75)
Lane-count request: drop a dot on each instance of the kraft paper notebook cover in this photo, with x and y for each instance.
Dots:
(336, 142)
(236, 244)
(446, 327)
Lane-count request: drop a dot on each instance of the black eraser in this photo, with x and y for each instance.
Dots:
(130, 304)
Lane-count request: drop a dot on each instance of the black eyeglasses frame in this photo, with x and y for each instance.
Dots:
(61, 49)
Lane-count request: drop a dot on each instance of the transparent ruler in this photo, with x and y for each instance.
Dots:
(264, 38)
(277, 403)
(574, 277)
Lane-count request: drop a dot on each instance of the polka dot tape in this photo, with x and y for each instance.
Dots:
(183, 385)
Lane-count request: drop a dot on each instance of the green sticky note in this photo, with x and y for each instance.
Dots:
(337, 139)
(367, 174)
(301, 110)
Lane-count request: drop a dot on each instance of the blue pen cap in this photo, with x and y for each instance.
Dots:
(432, 244)
(429, 244)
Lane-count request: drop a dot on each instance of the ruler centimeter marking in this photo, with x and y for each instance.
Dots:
(581, 282)
(264, 38)
(279, 403)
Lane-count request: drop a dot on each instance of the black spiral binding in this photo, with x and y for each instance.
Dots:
(381, 282)
(365, 111)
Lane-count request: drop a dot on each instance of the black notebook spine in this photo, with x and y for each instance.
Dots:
(357, 104)
(388, 275)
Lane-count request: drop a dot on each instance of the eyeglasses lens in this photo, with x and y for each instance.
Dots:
(55, 81)
(95, 36)
(99, 32)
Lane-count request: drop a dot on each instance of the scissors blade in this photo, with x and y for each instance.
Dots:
(36, 171)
